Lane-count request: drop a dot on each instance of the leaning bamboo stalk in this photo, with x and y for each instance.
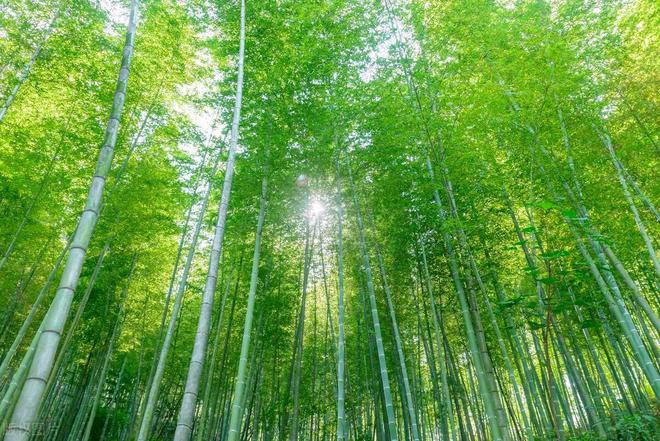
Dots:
(386, 389)
(409, 403)
(341, 343)
(108, 355)
(207, 400)
(68, 338)
(113, 400)
(189, 402)
(239, 385)
(607, 141)
(155, 381)
(31, 315)
(25, 412)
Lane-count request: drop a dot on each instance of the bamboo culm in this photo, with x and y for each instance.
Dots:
(29, 401)
(239, 385)
(155, 384)
(189, 401)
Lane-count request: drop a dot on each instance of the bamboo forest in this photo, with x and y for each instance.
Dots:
(329, 220)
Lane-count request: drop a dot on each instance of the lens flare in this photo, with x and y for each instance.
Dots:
(316, 208)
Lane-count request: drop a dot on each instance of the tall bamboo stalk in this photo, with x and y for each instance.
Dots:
(188, 404)
(384, 376)
(239, 386)
(341, 343)
(29, 401)
(108, 355)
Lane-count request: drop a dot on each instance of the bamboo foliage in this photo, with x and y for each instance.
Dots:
(493, 277)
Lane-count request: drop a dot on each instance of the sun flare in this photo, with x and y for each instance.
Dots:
(316, 208)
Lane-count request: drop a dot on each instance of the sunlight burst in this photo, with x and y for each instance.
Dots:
(316, 208)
